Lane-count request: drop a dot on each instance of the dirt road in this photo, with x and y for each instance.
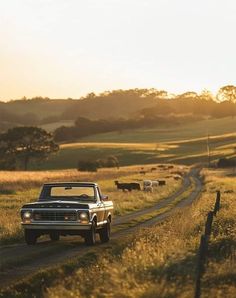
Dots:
(20, 260)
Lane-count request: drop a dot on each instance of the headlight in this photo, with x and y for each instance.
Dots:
(83, 216)
(27, 215)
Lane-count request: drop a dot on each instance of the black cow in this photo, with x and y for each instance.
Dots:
(127, 186)
(161, 182)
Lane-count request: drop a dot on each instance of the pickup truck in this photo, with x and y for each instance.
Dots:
(68, 208)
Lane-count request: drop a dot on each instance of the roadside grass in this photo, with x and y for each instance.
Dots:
(161, 260)
(13, 181)
(157, 262)
(18, 188)
(30, 287)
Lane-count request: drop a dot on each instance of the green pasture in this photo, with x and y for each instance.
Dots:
(172, 133)
(182, 145)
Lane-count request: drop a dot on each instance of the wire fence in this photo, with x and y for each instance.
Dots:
(203, 247)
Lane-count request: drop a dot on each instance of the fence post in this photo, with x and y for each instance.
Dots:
(203, 248)
(201, 264)
(208, 224)
(217, 203)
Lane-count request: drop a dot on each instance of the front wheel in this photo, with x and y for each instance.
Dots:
(54, 236)
(30, 237)
(105, 232)
(90, 237)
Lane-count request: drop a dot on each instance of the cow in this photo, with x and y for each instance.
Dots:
(147, 184)
(127, 186)
(155, 183)
(148, 188)
(162, 182)
(142, 172)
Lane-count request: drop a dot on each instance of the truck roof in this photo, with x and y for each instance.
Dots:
(71, 183)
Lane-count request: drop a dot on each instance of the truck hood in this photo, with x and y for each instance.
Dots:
(57, 204)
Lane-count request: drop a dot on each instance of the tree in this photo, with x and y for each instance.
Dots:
(188, 95)
(110, 162)
(227, 93)
(206, 95)
(24, 144)
(87, 166)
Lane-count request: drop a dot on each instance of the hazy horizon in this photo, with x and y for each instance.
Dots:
(62, 49)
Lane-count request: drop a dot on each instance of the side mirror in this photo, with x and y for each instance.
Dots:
(104, 198)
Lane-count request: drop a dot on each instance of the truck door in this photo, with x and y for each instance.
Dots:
(100, 206)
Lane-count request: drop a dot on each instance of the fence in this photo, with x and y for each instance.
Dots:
(203, 247)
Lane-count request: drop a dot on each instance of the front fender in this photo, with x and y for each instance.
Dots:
(93, 217)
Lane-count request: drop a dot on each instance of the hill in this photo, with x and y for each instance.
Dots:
(182, 144)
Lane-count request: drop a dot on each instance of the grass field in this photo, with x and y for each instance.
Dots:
(158, 261)
(193, 130)
(21, 187)
(184, 144)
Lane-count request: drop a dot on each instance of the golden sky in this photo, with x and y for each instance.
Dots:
(67, 48)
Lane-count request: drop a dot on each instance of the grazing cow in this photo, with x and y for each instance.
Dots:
(142, 172)
(123, 186)
(162, 182)
(127, 186)
(153, 169)
(148, 188)
(135, 185)
(177, 177)
(147, 184)
(155, 183)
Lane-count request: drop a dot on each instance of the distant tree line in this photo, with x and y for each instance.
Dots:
(126, 104)
(84, 127)
(117, 104)
(191, 106)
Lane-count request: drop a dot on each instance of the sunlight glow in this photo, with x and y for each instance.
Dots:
(60, 48)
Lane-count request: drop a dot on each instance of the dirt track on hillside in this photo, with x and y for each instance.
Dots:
(20, 260)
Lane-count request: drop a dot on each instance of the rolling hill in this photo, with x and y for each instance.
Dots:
(182, 144)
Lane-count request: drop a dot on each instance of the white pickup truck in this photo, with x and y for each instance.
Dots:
(68, 208)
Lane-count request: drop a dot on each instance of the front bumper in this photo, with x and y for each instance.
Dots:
(56, 226)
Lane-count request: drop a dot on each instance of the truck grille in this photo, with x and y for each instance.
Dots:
(41, 215)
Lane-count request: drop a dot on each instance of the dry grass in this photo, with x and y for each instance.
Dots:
(161, 260)
(14, 181)
(18, 188)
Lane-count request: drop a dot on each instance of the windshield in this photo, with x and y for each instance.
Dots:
(68, 193)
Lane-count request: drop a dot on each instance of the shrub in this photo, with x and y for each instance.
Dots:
(87, 165)
(225, 163)
(109, 162)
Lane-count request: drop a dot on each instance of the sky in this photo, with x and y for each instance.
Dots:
(68, 48)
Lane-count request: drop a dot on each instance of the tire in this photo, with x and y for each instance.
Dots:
(30, 237)
(54, 236)
(90, 237)
(105, 232)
